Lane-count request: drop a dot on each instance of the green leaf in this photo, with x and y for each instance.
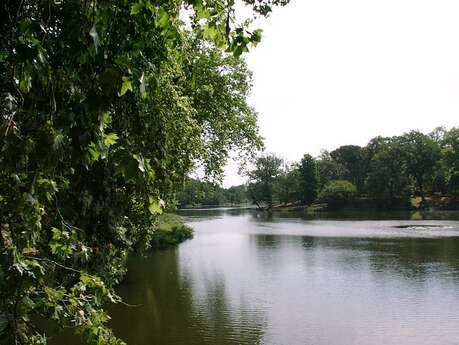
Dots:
(255, 38)
(110, 139)
(93, 152)
(105, 120)
(126, 86)
(56, 234)
(154, 206)
(136, 8)
(164, 19)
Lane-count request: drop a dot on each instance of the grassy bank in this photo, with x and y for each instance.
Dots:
(170, 231)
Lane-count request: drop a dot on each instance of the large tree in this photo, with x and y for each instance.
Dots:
(308, 179)
(287, 186)
(421, 154)
(262, 179)
(329, 169)
(107, 106)
(387, 177)
(353, 159)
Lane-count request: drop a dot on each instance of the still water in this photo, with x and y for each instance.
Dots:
(247, 278)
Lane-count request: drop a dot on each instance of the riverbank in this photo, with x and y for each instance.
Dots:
(435, 203)
(171, 231)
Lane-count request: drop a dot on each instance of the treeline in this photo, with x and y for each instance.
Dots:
(386, 173)
(196, 193)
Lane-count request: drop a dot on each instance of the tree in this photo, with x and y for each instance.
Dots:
(438, 135)
(287, 186)
(104, 115)
(450, 155)
(329, 169)
(309, 179)
(421, 154)
(387, 178)
(262, 179)
(352, 158)
(338, 193)
(236, 195)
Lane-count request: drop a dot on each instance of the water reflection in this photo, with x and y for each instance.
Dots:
(336, 215)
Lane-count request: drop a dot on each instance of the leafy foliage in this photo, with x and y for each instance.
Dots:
(309, 179)
(262, 179)
(421, 155)
(338, 193)
(107, 106)
(205, 193)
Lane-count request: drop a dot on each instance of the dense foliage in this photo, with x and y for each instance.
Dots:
(338, 193)
(308, 179)
(197, 193)
(385, 173)
(263, 178)
(107, 105)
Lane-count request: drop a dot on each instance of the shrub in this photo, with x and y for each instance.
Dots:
(170, 231)
(338, 193)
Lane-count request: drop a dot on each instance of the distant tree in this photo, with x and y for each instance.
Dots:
(453, 184)
(387, 178)
(308, 179)
(421, 154)
(236, 195)
(450, 155)
(329, 169)
(338, 193)
(262, 179)
(451, 149)
(198, 193)
(352, 158)
(287, 186)
(438, 135)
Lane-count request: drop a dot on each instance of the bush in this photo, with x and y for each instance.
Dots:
(170, 231)
(338, 193)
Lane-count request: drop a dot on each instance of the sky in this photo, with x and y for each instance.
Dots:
(331, 72)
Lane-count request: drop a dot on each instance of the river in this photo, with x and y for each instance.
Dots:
(248, 278)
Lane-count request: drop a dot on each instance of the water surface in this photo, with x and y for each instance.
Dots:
(249, 278)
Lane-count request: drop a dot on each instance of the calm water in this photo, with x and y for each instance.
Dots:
(248, 279)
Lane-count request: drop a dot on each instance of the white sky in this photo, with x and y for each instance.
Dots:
(333, 72)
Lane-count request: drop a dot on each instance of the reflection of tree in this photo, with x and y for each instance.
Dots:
(222, 322)
(171, 313)
(411, 258)
(263, 216)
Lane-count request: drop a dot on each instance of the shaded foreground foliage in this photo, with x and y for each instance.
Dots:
(107, 105)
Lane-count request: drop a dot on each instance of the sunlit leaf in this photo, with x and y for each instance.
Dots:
(154, 206)
(125, 86)
(110, 139)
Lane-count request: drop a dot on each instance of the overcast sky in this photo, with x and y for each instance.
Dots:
(334, 72)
